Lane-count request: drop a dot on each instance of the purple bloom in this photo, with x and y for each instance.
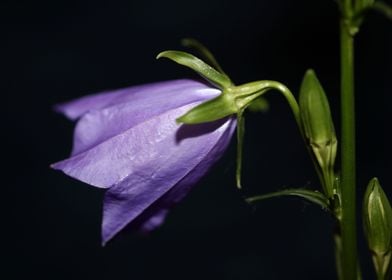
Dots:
(128, 142)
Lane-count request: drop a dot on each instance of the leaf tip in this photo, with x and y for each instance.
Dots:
(161, 54)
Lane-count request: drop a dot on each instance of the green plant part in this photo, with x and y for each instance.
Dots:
(319, 131)
(377, 221)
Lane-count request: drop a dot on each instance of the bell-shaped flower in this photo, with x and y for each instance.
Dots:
(128, 142)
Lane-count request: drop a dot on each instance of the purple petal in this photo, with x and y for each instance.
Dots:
(144, 147)
(139, 94)
(155, 214)
(128, 141)
(97, 126)
(180, 164)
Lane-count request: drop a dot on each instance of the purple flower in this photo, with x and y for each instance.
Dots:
(128, 142)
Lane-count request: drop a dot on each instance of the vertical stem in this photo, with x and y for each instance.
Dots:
(348, 222)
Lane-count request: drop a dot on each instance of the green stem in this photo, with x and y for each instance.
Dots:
(246, 93)
(348, 197)
(290, 99)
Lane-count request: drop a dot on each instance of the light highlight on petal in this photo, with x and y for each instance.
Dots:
(128, 141)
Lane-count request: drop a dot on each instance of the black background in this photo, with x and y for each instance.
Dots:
(53, 51)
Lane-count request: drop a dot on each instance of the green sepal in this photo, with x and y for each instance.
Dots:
(311, 196)
(232, 100)
(211, 110)
(199, 66)
(205, 53)
(240, 144)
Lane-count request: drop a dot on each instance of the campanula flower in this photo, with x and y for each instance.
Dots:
(128, 142)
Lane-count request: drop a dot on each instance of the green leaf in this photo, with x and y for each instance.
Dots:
(204, 52)
(383, 8)
(196, 64)
(312, 196)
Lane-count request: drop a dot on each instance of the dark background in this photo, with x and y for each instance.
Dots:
(53, 51)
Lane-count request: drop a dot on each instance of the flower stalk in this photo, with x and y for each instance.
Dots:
(348, 170)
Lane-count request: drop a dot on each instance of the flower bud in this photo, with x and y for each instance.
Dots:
(318, 127)
(377, 220)
(315, 112)
(377, 217)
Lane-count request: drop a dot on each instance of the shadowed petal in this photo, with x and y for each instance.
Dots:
(186, 161)
(154, 215)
